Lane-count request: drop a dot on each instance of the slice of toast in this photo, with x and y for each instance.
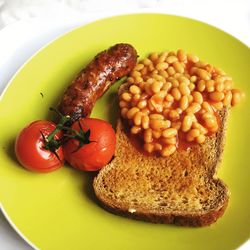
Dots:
(181, 189)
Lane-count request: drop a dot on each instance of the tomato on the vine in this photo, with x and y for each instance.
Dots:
(92, 147)
(31, 150)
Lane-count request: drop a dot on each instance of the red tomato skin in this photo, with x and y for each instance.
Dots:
(29, 148)
(98, 153)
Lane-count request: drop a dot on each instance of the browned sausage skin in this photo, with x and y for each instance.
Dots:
(92, 82)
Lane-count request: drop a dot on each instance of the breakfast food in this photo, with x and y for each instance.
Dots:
(179, 189)
(91, 83)
(169, 174)
(92, 145)
(45, 138)
(36, 151)
(172, 99)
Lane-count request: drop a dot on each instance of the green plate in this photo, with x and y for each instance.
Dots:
(59, 210)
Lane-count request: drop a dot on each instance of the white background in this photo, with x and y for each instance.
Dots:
(34, 23)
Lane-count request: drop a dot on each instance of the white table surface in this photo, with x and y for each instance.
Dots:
(34, 33)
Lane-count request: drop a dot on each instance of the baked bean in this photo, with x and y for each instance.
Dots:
(207, 107)
(145, 122)
(157, 124)
(139, 67)
(171, 70)
(187, 123)
(208, 116)
(162, 57)
(156, 86)
(216, 96)
(153, 56)
(166, 86)
(157, 147)
(197, 97)
(148, 147)
(138, 79)
(160, 78)
(131, 112)
(219, 86)
(144, 71)
(136, 97)
(156, 116)
(169, 98)
(210, 86)
(190, 98)
(167, 141)
(214, 129)
(173, 115)
(126, 96)
(217, 105)
(146, 62)
(176, 125)
(184, 89)
(162, 66)
(200, 139)
(166, 104)
(192, 58)
(176, 94)
(145, 111)
(203, 74)
(137, 118)
(183, 79)
(177, 75)
(134, 89)
(163, 73)
(181, 55)
(227, 99)
(194, 107)
(156, 134)
(210, 122)
(168, 150)
(200, 127)
(148, 136)
(175, 82)
(142, 104)
(135, 130)
(236, 98)
(184, 102)
(151, 67)
(201, 64)
(191, 86)
(189, 138)
(169, 132)
(171, 59)
(194, 132)
(228, 85)
(193, 78)
(201, 85)
(135, 73)
(178, 67)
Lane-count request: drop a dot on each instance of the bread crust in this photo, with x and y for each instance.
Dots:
(202, 160)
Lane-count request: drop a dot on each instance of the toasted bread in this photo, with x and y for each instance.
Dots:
(181, 189)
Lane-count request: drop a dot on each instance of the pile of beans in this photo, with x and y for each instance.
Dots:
(174, 95)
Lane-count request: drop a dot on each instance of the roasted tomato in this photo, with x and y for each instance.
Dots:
(32, 149)
(92, 144)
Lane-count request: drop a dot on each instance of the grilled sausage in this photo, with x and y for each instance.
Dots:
(92, 82)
